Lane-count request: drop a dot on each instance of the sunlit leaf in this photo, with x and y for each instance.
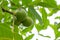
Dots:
(7, 17)
(17, 36)
(52, 11)
(44, 17)
(0, 0)
(26, 30)
(45, 3)
(5, 31)
(16, 29)
(29, 37)
(44, 36)
(31, 14)
(58, 17)
(38, 27)
(33, 11)
(41, 4)
(4, 4)
(16, 2)
(55, 28)
(1, 15)
(58, 7)
(24, 2)
(49, 2)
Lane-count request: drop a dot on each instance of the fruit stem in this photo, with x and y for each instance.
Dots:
(13, 27)
(4, 10)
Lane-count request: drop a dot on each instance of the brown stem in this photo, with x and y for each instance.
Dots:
(4, 10)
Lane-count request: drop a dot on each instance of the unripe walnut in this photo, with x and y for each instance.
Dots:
(21, 15)
(27, 22)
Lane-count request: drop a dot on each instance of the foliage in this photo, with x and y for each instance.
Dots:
(10, 31)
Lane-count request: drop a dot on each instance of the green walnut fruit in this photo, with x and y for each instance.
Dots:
(27, 22)
(20, 15)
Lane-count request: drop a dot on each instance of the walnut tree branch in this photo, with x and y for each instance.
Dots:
(4, 10)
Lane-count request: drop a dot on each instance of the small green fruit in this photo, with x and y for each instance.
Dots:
(20, 15)
(27, 22)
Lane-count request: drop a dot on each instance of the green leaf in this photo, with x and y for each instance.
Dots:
(44, 4)
(45, 36)
(38, 27)
(5, 38)
(26, 30)
(55, 28)
(58, 17)
(13, 7)
(17, 36)
(52, 3)
(1, 15)
(0, 0)
(52, 11)
(44, 17)
(57, 35)
(41, 4)
(15, 3)
(37, 1)
(4, 4)
(24, 2)
(16, 29)
(7, 17)
(33, 12)
(58, 7)
(58, 25)
(5, 31)
(29, 37)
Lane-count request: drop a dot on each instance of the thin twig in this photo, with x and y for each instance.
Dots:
(13, 26)
(4, 10)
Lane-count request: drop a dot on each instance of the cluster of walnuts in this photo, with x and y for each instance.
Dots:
(22, 17)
